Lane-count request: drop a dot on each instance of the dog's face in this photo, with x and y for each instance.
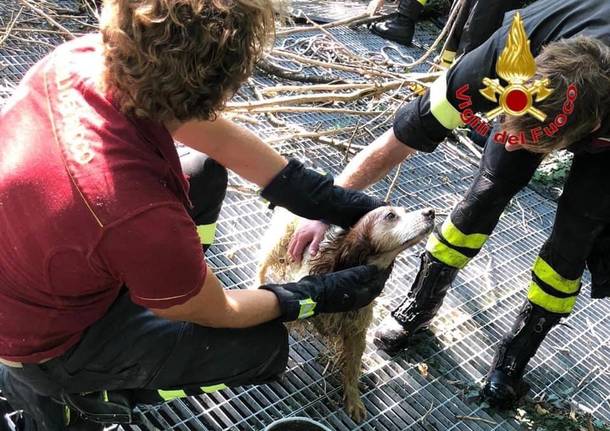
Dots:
(377, 238)
(393, 228)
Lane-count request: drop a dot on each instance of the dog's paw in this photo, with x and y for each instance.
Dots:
(355, 409)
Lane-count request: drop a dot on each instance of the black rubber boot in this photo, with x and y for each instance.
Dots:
(419, 307)
(504, 385)
(401, 26)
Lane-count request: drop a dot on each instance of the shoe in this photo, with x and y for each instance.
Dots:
(398, 28)
(401, 26)
(418, 309)
(504, 385)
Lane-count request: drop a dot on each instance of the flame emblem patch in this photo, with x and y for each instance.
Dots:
(516, 66)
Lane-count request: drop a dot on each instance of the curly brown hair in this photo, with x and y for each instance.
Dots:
(178, 60)
(580, 63)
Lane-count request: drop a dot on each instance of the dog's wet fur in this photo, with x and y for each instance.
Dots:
(377, 239)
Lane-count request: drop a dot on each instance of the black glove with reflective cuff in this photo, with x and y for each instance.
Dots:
(335, 292)
(314, 196)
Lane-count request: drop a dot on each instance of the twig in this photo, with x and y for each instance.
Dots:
(305, 88)
(346, 49)
(593, 371)
(393, 183)
(274, 69)
(349, 144)
(359, 70)
(292, 109)
(424, 418)
(40, 42)
(10, 26)
(49, 19)
(368, 20)
(311, 135)
(372, 90)
(345, 21)
(475, 418)
(450, 20)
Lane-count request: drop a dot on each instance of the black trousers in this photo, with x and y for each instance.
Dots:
(150, 358)
(475, 23)
(582, 220)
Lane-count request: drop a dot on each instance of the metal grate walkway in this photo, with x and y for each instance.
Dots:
(400, 393)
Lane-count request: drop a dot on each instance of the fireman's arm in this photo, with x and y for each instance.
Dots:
(427, 120)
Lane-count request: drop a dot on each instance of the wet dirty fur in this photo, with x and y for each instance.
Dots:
(377, 238)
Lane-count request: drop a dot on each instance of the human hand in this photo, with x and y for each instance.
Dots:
(309, 233)
(335, 292)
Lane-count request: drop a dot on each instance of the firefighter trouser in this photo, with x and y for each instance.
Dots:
(207, 189)
(149, 358)
(475, 23)
(583, 212)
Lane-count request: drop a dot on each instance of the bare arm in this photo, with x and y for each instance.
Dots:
(234, 147)
(216, 307)
(374, 162)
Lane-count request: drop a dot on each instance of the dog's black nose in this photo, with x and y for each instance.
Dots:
(428, 213)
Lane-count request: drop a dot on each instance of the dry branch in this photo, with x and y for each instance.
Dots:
(296, 109)
(49, 19)
(370, 90)
(452, 16)
(274, 69)
(10, 26)
(361, 70)
(310, 135)
(346, 21)
(475, 418)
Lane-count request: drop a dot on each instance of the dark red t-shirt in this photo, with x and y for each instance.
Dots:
(90, 200)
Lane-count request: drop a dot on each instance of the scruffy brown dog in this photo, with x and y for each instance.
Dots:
(376, 239)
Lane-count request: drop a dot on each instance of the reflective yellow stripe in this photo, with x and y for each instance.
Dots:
(550, 303)
(170, 395)
(307, 307)
(105, 393)
(67, 415)
(423, 2)
(440, 107)
(206, 233)
(546, 273)
(447, 58)
(456, 237)
(214, 388)
(446, 254)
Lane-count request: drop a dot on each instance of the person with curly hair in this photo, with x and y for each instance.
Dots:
(103, 285)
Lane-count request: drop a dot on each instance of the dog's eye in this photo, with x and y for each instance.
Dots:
(390, 216)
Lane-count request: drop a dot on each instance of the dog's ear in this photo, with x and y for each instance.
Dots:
(326, 258)
(355, 249)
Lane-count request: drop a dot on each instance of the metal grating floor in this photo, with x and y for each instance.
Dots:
(478, 310)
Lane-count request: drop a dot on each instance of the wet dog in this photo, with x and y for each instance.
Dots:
(377, 239)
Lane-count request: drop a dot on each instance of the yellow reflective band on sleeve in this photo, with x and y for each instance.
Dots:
(206, 233)
(446, 254)
(546, 273)
(550, 303)
(447, 58)
(67, 415)
(105, 393)
(170, 395)
(456, 237)
(307, 308)
(214, 388)
(440, 107)
(423, 2)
